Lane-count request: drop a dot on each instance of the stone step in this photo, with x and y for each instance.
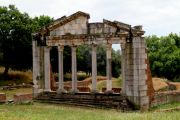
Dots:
(89, 100)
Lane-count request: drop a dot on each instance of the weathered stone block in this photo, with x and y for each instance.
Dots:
(112, 30)
(143, 87)
(138, 39)
(2, 97)
(22, 97)
(139, 56)
(143, 93)
(144, 100)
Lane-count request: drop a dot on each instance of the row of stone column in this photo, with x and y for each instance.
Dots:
(74, 69)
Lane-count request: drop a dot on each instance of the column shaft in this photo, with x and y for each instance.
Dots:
(74, 69)
(94, 68)
(35, 65)
(47, 69)
(109, 67)
(60, 63)
(123, 63)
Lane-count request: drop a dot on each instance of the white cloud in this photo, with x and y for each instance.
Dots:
(158, 17)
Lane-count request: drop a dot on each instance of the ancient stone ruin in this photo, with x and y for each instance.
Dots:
(76, 30)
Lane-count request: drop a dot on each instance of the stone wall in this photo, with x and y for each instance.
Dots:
(22, 97)
(109, 29)
(77, 26)
(165, 97)
(99, 28)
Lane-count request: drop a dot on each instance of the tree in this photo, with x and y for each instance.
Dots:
(15, 38)
(164, 55)
(116, 63)
(39, 22)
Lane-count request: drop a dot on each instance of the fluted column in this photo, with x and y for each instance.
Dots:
(94, 68)
(109, 68)
(60, 67)
(74, 70)
(47, 69)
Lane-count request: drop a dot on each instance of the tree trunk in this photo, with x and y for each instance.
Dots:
(5, 74)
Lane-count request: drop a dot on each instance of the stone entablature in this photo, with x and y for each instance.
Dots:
(76, 30)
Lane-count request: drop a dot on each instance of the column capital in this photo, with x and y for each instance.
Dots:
(47, 48)
(73, 45)
(109, 46)
(60, 48)
(123, 46)
(94, 45)
(73, 48)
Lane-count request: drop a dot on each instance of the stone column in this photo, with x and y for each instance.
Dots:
(47, 71)
(41, 76)
(123, 70)
(74, 70)
(94, 69)
(35, 65)
(60, 65)
(109, 68)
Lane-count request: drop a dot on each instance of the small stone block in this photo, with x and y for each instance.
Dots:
(2, 97)
(22, 97)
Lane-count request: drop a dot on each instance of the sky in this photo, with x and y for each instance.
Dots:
(158, 17)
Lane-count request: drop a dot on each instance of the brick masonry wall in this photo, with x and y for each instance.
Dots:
(149, 82)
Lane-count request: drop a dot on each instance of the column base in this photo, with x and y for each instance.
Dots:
(74, 91)
(109, 92)
(47, 90)
(61, 91)
(35, 91)
(94, 91)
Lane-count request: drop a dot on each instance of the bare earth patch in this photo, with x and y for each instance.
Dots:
(159, 84)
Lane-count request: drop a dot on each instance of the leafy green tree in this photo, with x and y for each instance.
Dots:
(84, 60)
(164, 55)
(15, 38)
(39, 22)
(116, 63)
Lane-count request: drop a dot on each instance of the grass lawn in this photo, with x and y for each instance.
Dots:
(38, 111)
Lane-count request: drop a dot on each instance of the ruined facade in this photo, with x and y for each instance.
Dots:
(76, 30)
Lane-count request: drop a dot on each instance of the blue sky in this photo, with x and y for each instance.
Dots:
(158, 17)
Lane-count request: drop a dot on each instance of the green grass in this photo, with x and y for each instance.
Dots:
(166, 106)
(39, 111)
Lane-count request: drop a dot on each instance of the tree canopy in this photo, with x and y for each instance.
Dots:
(164, 56)
(15, 37)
